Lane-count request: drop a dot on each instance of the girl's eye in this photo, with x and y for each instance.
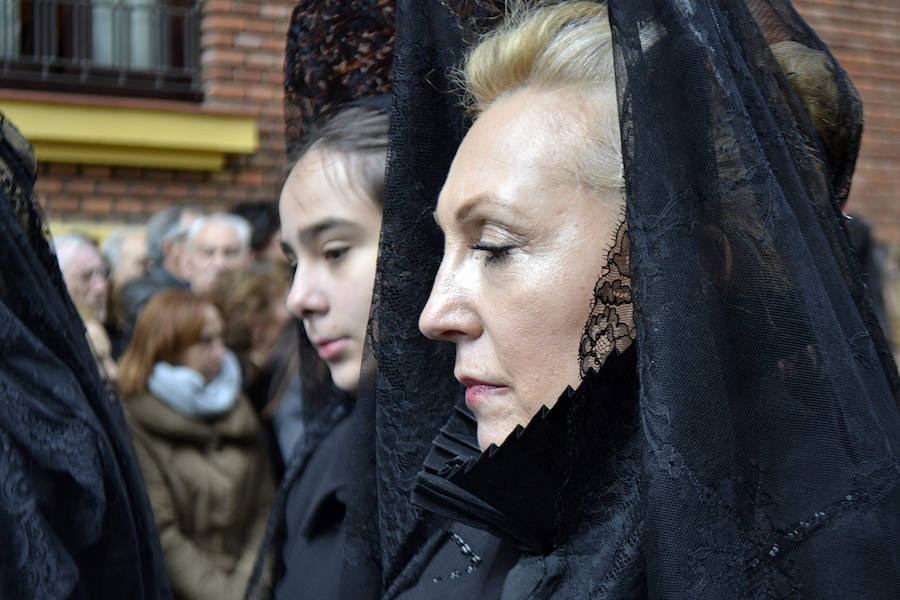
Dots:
(495, 252)
(335, 254)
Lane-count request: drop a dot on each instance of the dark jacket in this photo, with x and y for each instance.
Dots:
(135, 295)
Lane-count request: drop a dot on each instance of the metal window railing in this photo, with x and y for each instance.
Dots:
(120, 47)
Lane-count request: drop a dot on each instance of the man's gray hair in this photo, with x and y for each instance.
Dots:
(111, 249)
(240, 225)
(162, 227)
(67, 244)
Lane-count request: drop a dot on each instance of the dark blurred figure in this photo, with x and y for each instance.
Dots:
(263, 336)
(74, 516)
(871, 262)
(166, 234)
(265, 244)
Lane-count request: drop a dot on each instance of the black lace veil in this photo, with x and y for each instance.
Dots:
(74, 513)
(767, 390)
(768, 428)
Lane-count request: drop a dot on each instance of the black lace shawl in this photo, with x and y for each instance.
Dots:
(763, 462)
(74, 515)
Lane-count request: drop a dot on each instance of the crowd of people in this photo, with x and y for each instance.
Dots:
(558, 301)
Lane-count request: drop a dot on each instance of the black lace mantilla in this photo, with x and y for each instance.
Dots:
(74, 513)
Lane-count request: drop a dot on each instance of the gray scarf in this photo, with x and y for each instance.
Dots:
(186, 391)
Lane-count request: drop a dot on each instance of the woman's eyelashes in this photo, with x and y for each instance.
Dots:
(334, 253)
(493, 252)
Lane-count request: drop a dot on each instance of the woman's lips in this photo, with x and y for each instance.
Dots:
(331, 349)
(477, 391)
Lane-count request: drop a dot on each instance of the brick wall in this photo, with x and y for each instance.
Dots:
(242, 45)
(243, 48)
(864, 35)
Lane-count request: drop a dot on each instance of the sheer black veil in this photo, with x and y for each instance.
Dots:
(768, 428)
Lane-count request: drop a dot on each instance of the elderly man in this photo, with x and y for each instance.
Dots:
(84, 273)
(215, 243)
(166, 231)
(125, 252)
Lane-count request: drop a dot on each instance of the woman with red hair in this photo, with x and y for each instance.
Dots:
(199, 443)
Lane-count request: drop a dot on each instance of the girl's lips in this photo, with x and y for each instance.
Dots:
(331, 349)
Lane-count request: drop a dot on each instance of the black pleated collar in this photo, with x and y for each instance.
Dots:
(528, 489)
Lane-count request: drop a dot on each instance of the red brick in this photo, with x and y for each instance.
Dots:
(159, 175)
(260, 26)
(127, 173)
(247, 76)
(263, 94)
(80, 186)
(62, 170)
(205, 192)
(253, 41)
(245, 9)
(145, 190)
(223, 23)
(216, 38)
(130, 206)
(96, 172)
(48, 185)
(264, 60)
(216, 57)
(249, 178)
(279, 12)
(275, 44)
(155, 206)
(218, 74)
(97, 206)
(191, 176)
(117, 188)
(176, 190)
(213, 7)
(62, 204)
(225, 91)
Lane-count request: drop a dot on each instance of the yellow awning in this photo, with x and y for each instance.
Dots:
(134, 137)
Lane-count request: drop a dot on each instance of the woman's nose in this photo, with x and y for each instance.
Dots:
(450, 314)
(305, 298)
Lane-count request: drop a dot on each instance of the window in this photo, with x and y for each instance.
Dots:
(121, 47)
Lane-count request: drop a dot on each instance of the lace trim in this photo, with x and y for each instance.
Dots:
(611, 322)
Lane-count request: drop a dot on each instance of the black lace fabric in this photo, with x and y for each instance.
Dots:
(754, 453)
(611, 323)
(74, 513)
(767, 391)
(407, 390)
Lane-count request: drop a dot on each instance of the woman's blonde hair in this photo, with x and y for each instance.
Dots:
(555, 46)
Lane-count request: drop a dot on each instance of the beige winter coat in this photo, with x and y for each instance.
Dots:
(211, 487)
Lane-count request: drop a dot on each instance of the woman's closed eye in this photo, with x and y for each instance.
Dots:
(493, 252)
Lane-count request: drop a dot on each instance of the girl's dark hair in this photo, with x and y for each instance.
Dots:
(357, 135)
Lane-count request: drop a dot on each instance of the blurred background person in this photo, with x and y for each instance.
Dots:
(263, 335)
(165, 236)
(199, 443)
(215, 243)
(125, 252)
(84, 273)
(265, 243)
